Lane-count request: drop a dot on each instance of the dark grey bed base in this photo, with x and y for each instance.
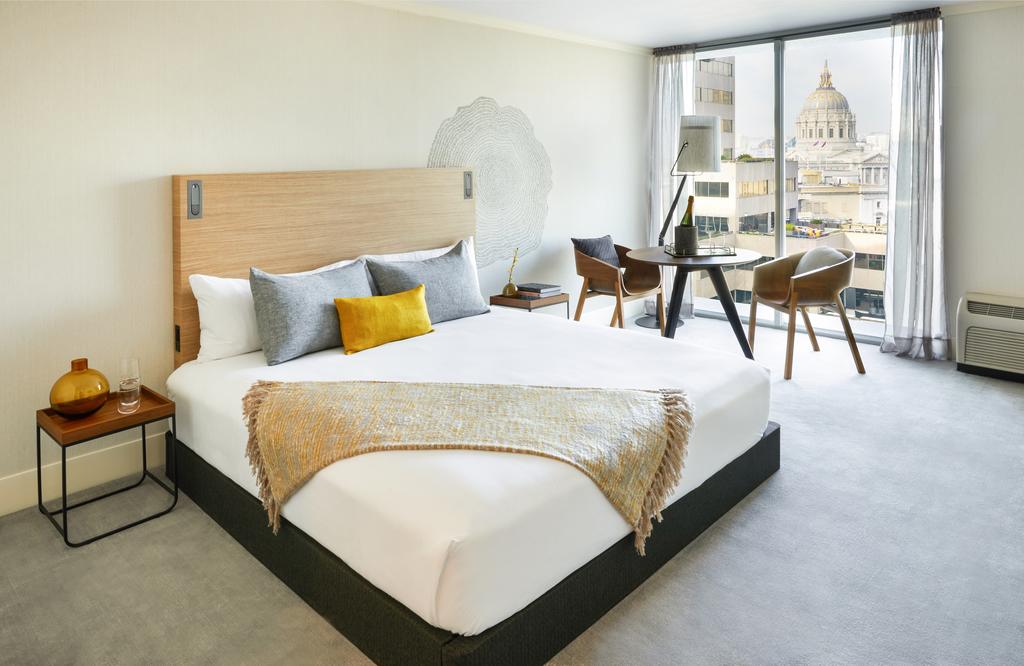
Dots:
(389, 633)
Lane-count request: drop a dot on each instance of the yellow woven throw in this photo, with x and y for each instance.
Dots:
(631, 443)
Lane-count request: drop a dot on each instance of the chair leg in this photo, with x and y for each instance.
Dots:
(615, 317)
(849, 335)
(753, 321)
(618, 306)
(661, 310)
(583, 298)
(790, 334)
(810, 329)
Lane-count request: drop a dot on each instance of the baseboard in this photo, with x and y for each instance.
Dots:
(18, 491)
(990, 372)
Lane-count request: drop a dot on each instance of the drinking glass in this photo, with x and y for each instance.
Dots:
(129, 392)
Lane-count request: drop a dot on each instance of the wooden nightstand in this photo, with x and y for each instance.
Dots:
(105, 421)
(531, 304)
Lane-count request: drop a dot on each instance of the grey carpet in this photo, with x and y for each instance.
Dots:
(894, 533)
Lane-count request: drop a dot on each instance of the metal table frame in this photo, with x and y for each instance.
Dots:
(724, 296)
(714, 266)
(62, 526)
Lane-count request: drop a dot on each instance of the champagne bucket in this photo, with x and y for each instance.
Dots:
(686, 239)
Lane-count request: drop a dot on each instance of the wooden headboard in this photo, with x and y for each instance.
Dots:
(289, 222)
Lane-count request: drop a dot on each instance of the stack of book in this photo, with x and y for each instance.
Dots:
(534, 290)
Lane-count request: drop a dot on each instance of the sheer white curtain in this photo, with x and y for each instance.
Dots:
(916, 324)
(672, 94)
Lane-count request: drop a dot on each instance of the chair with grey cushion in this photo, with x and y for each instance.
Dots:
(607, 271)
(813, 278)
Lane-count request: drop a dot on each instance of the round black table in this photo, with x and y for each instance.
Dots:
(686, 265)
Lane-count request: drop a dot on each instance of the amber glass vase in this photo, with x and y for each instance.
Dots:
(81, 391)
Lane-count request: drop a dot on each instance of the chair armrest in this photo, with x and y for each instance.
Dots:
(600, 273)
(822, 285)
(772, 278)
(639, 276)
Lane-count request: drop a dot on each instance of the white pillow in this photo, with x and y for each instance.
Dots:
(227, 316)
(819, 257)
(420, 255)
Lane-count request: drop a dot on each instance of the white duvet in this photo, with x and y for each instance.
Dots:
(466, 539)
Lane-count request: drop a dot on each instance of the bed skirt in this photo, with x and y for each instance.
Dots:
(389, 633)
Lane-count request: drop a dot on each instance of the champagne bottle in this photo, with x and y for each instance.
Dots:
(687, 220)
(686, 233)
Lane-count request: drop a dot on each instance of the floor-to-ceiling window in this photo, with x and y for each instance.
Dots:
(837, 133)
(835, 123)
(735, 206)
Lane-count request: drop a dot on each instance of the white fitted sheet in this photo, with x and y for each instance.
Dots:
(467, 538)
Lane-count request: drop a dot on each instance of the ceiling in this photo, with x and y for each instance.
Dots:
(653, 23)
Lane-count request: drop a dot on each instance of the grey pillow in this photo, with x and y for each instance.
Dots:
(452, 286)
(819, 257)
(599, 248)
(296, 315)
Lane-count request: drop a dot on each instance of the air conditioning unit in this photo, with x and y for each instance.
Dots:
(990, 336)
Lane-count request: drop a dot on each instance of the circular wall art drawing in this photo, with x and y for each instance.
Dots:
(512, 174)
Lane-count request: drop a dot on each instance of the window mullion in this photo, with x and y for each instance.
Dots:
(780, 158)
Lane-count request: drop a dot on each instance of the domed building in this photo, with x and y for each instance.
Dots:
(826, 123)
(842, 177)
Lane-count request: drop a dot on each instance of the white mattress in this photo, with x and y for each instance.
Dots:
(463, 538)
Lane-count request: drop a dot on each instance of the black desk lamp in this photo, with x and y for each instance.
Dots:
(700, 151)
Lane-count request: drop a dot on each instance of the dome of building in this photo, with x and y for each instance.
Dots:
(826, 122)
(826, 99)
(830, 155)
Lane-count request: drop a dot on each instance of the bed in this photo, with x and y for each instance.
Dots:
(444, 556)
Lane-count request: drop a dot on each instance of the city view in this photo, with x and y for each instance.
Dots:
(836, 169)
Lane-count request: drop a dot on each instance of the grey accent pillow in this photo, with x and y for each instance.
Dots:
(599, 248)
(452, 285)
(819, 257)
(296, 315)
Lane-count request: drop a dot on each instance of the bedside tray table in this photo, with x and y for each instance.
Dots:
(67, 432)
(531, 304)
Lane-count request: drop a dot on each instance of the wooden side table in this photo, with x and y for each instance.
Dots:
(105, 421)
(531, 304)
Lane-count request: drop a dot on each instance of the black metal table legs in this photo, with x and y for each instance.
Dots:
(62, 526)
(729, 306)
(676, 302)
(724, 296)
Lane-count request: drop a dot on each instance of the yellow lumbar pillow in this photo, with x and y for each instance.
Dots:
(376, 320)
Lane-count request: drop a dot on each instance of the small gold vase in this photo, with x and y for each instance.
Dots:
(510, 290)
(79, 392)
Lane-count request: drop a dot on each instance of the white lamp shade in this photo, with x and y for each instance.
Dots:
(703, 154)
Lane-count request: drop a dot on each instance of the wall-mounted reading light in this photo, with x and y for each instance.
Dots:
(195, 199)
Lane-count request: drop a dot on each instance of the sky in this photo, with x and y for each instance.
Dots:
(860, 64)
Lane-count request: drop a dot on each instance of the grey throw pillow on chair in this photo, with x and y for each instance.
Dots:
(452, 285)
(819, 257)
(601, 248)
(296, 315)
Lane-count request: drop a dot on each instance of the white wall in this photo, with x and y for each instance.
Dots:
(101, 103)
(983, 136)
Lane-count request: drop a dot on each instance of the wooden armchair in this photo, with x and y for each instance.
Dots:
(776, 286)
(634, 280)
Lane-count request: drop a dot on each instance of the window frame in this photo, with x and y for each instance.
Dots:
(779, 39)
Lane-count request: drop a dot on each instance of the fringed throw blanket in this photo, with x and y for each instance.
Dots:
(630, 443)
